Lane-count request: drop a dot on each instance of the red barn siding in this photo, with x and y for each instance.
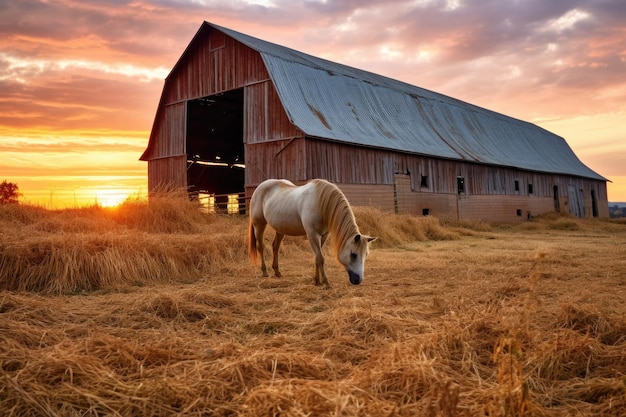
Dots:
(205, 71)
(276, 159)
(169, 133)
(167, 173)
(265, 118)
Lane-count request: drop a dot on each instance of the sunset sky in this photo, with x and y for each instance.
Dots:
(80, 80)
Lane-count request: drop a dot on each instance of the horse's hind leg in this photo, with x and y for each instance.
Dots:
(275, 247)
(258, 235)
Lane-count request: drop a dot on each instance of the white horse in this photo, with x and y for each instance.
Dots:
(316, 210)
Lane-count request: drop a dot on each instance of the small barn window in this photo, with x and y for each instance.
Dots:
(460, 185)
(516, 185)
(519, 212)
(424, 183)
(530, 188)
(425, 212)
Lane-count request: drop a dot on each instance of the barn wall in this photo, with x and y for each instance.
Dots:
(436, 204)
(488, 207)
(169, 134)
(426, 185)
(216, 64)
(491, 208)
(256, 120)
(265, 118)
(584, 187)
(276, 159)
(274, 148)
(378, 196)
(346, 164)
(167, 166)
(167, 173)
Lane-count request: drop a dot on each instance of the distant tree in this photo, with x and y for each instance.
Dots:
(9, 192)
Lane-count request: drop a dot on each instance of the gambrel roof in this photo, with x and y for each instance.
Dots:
(335, 102)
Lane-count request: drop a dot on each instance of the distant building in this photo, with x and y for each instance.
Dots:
(236, 110)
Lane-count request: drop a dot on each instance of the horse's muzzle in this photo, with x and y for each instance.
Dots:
(355, 279)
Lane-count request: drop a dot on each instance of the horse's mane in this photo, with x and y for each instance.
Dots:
(337, 214)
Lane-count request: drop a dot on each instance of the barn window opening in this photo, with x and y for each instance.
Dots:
(460, 185)
(519, 212)
(425, 212)
(530, 188)
(516, 185)
(424, 182)
(214, 145)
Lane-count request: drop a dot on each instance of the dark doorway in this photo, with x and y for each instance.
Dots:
(214, 145)
(557, 203)
(594, 204)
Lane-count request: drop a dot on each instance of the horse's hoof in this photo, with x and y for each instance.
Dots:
(278, 275)
(265, 275)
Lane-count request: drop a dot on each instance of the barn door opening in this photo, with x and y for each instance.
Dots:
(594, 204)
(557, 203)
(215, 151)
(576, 206)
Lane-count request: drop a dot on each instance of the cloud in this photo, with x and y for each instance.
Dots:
(460, 45)
(66, 147)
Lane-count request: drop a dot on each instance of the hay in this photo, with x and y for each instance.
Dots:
(400, 229)
(102, 317)
(77, 250)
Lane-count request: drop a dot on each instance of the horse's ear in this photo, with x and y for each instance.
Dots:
(370, 238)
(357, 238)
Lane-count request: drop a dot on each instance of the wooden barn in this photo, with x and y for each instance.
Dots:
(236, 110)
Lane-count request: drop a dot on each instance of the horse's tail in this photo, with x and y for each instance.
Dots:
(253, 253)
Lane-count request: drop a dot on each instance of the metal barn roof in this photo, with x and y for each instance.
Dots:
(336, 102)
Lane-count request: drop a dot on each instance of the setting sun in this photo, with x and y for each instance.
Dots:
(111, 197)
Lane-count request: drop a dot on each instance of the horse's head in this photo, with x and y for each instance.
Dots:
(352, 256)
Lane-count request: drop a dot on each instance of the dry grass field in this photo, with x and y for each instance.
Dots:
(155, 310)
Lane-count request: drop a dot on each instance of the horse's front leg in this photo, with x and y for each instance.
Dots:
(322, 270)
(316, 242)
(319, 273)
(275, 247)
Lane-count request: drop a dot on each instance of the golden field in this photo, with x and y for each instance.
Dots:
(155, 310)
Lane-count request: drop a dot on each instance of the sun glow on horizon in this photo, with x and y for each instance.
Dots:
(111, 197)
